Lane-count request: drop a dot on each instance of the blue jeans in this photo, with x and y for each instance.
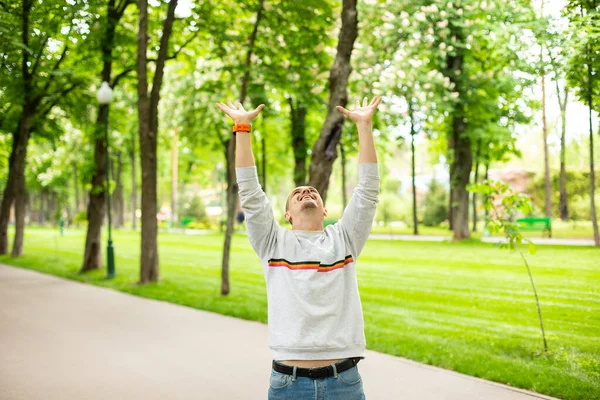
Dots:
(346, 385)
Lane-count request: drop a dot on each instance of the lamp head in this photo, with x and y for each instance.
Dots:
(105, 93)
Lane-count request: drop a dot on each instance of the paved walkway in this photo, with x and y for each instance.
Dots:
(66, 340)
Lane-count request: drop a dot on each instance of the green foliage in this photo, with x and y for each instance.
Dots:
(503, 205)
(427, 38)
(391, 207)
(583, 64)
(193, 208)
(80, 217)
(436, 205)
(578, 193)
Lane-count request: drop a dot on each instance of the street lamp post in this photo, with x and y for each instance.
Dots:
(104, 96)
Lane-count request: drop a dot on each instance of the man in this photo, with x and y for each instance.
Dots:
(316, 328)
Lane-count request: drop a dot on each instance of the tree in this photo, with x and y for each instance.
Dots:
(547, 202)
(148, 132)
(324, 151)
(232, 187)
(36, 83)
(96, 210)
(558, 39)
(583, 66)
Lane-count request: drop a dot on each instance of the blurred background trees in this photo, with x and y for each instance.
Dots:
(461, 83)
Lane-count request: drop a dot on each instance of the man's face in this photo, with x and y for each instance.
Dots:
(304, 199)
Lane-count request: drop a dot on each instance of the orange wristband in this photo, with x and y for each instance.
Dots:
(241, 128)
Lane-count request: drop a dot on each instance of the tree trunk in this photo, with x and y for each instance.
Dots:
(343, 162)
(592, 173)
(76, 187)
(462, 170)
(28, 210)
(52, 208)
(263, 143)
(547, 185)
(148, 132)
(133, 184)
(232, 194)
(564, 209)
(450, 174)
(232, 187)
(476, 180)
(462, 156)
(485, 177)
(118, 195)
(298, 118)
(174, 178)
(17, 169)
(96, 209)
(325, 149)
(413, 169)
(42, 211)
(15, 184)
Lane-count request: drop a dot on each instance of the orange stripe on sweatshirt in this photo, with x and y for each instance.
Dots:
(305, 265)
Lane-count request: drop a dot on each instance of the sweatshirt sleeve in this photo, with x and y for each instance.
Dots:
(260, 222)
(357, 221)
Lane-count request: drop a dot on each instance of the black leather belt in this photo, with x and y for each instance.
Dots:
(319, 372)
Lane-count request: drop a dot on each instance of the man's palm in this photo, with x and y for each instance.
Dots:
(239, 114)
(364, 113)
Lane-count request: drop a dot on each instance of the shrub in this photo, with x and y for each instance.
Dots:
(436, 205)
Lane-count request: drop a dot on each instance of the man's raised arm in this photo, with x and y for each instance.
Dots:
(261, 225)
(360, 212)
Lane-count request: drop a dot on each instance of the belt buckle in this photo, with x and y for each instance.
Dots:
(314, 373)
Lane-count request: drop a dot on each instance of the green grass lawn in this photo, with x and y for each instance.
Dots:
(467, 307)
(560, 230)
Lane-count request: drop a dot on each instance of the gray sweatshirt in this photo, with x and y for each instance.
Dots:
(314, 306)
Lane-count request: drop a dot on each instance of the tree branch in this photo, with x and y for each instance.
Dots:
(174, 55)
(40, 55)
(120, 76)
(220, 137)
(41, 95)
(56, 97)
(120, 9)
(160, 62)
(127, 70)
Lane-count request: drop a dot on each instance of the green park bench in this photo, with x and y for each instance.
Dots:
(536, 224)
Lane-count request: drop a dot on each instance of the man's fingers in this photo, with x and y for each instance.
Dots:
(357, 106)
(343, 110)
(231, 105)
(223, 108)
(365, 102)
(377, 102)
(240, 107)
(255, 112)
(373, 100)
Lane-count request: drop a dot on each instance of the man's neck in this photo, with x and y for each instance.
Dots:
(308, 222)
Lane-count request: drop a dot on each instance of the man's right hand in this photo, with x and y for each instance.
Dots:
(238, 114)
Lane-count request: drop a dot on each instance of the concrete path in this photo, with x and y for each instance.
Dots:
(66, 340)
